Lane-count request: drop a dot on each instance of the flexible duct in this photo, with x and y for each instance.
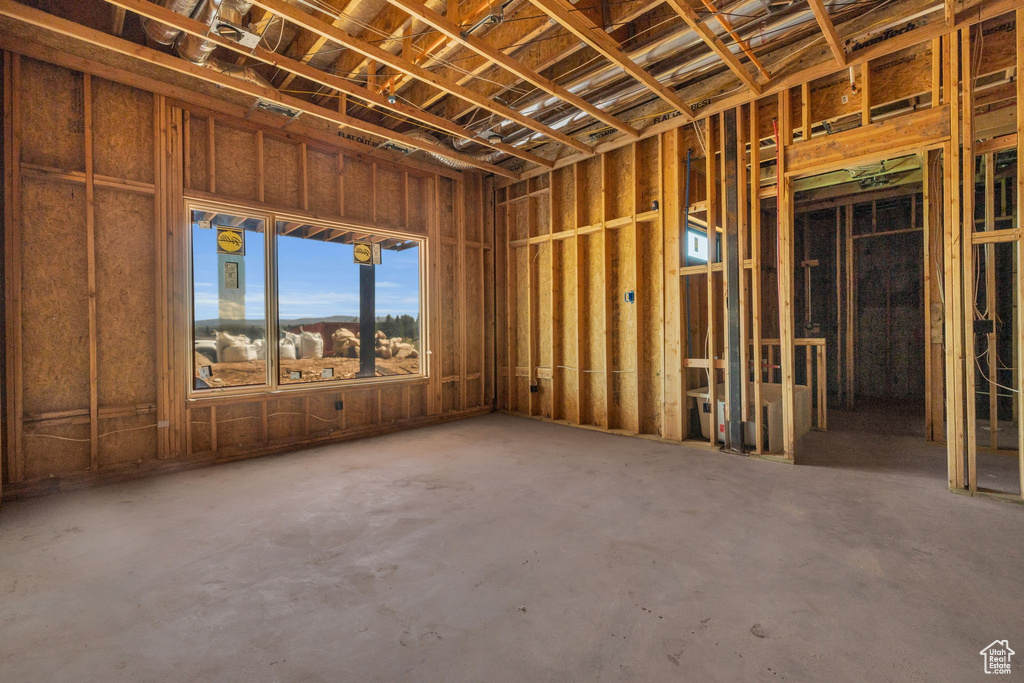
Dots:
(162, 33)
(245, 73)
(423, 136)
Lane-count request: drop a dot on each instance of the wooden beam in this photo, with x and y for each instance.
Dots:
(829, 29)
(70, 29)
(368, 94)
(373, 52)
(454, 32)
(596, 37)
(715, 43)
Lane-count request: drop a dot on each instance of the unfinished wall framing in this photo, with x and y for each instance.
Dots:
(97, 173)
(581, 239)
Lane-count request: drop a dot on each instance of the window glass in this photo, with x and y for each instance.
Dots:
(228, 301)
(322, 295)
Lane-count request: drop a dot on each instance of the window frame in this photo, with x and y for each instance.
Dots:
(272, 383)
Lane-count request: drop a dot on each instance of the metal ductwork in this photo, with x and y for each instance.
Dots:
(193, 48)
(162, 33)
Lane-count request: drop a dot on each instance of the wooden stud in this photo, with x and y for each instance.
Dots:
(673, 406)
(786, 287)
(711, 39)
(1020, 244)
(586, 30)
(967, 322)
(756, 269)
(865, 93)
(90, 246)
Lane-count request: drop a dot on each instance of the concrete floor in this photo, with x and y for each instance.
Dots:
(502, 549)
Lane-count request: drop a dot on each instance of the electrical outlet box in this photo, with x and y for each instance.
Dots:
(534, 388)
(339, 405)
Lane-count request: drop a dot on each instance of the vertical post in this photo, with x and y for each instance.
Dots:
(734, 433)
(786, 281)
(672, 423)
(1020, 247)
(967, 68)
(367, 320)
(711, 184)
(755, 270)
(952, 240)
(90, 239)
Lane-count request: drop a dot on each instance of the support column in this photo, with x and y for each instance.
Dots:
(734, 374)
(367, 320)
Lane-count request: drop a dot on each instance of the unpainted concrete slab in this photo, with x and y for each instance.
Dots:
(503, 549)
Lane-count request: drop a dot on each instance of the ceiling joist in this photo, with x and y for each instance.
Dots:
(829, 29)
(596, 37)
(156, 12)
(715, 43)
(70, 29)
(331, 32)
(423, 13)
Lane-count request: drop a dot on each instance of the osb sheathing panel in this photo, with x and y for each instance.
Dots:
(323, 182)
(286, 418)
(390, 404)
(540, 215)
(450, 396)
(648, 177)
(649, 297)
(521, 331)
(128, 439)
(618, 188)
(489, 320)
(997, 50)
(236, 161)
(417, 400)
(53, 454)
(390, 198)
(449, 308)
(54, 297)
(420, 204)
(360, 408)
(900, 75)
(563, 199)
(622, 328)
(589, 179)
(473, 183)
(198, 150)
(827, 97)
(324, 417)
(542, 302)
(122, 120)
(517, 222)
(474, 309)
(53, 116)
(473, 392)
(238, 425)
(282, 172)
(593, 341)
(200, 420)
(449, 226)
(125, 298)
(358, 189)
(565, 335)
